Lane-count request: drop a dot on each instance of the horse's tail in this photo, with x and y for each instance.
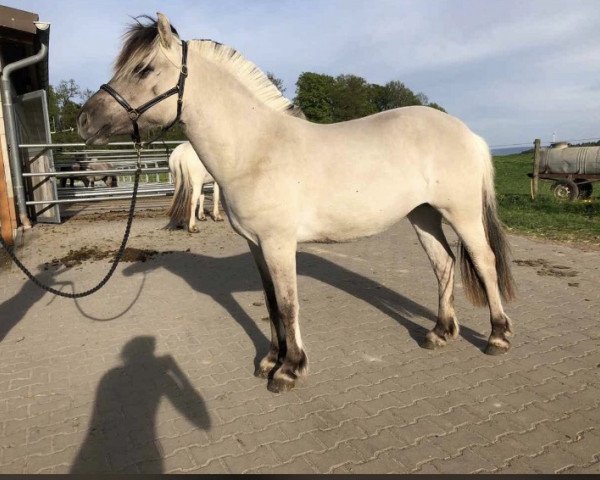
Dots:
(494, 231)
(179, 211)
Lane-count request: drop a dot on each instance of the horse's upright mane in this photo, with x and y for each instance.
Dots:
(252, 77)
(141, 43)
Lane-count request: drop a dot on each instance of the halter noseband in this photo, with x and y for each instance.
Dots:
(135, 113)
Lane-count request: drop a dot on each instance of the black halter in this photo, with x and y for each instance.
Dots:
(135, 113)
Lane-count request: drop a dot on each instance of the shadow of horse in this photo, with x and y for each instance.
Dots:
(13, 310)
(122, 432)
(219, 277)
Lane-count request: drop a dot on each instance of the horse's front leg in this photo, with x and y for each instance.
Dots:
(280, 258)
(269, 362)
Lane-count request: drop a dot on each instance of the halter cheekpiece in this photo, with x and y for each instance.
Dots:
(135, 113)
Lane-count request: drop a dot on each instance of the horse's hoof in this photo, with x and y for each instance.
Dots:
(280, 384)
(497, 346)
(494, 350)
(219, 219)
(428, 344)
(266, 366)
(194, 229)
(262, 372)
(202, 218)
(432, 341)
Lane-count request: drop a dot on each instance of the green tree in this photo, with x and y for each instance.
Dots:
(86, 94)
(63, 105)
(436, 106)
(53, 109)
(393, 94)
(351, 98)
(278, 82)
(313, 96)
(64, 102)
(68, 115)
(423, 100)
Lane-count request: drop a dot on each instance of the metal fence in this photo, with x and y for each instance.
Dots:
(81, 174)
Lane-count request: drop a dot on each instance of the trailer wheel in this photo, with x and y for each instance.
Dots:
(585, 188)
(565, 190)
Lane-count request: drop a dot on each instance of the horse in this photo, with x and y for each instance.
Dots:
(285, 180)
(88, 180)
(189, 175)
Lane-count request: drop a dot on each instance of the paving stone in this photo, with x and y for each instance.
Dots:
(467, 462)
(374, 402)
(594, 468)
(383, 463)
(296, 466)
(414, 456)
(553, 459)
(262, 455)
(214, 467)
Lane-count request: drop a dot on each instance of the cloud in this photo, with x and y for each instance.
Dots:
(512, 69)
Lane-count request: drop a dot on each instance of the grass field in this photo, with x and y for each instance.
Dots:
(546, 217)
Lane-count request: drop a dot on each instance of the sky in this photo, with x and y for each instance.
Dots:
(513, 70)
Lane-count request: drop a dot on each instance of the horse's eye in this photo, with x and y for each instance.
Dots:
(143, 72)
(146, 71)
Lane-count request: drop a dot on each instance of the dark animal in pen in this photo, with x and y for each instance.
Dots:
(88, 180)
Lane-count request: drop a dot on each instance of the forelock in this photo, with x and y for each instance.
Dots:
(140, 43)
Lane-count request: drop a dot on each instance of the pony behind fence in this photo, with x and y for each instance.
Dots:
(88, 180)
(189, 176)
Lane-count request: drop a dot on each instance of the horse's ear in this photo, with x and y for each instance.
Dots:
(164, 30)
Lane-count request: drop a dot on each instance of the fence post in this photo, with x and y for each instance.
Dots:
(536, 168)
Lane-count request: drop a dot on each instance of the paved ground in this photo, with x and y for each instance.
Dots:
(154, 372)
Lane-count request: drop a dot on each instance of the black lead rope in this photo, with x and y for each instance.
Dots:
(115, 262)
(134, 114)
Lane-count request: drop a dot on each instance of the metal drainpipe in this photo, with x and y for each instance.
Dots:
(9, 115)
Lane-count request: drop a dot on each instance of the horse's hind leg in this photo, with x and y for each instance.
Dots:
(201, 214)
(470, 228)
(268, 363)
(427, 222)
(196, 193)
(216, 196)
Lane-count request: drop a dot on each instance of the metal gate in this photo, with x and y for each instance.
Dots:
(82, 174)
(32, 126)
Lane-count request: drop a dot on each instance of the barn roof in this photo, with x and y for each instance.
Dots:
(19, 39)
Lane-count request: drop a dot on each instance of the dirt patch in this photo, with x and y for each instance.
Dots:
(118, 215)
(531, 263)
(5, 261)
(92, 254)
(547, 269)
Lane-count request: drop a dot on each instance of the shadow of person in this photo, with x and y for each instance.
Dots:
(122, 431)
(219, 277)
